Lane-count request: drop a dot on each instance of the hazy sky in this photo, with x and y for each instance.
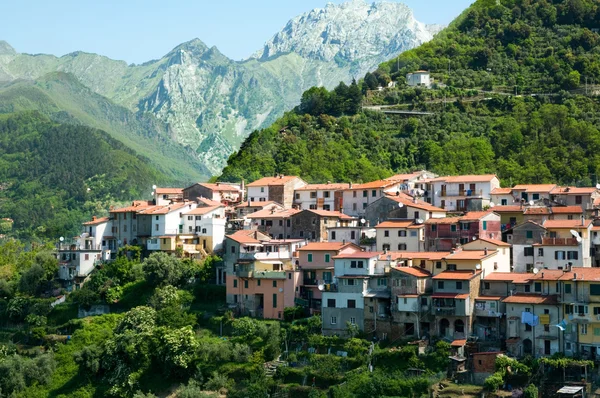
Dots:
(141, 30)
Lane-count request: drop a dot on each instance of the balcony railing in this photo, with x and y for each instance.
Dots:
(462, 192)
(559, 242)
(443, 311)
(283, 256)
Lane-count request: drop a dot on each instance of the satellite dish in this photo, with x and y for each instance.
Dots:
(535, 270)
(154, 187)
(400, 205)
(597, 186)
(579, 239)
(492, 204)
(280, 289)
(321, 287)
(362, 221)
(152, 193)
(419, 221)
(574, 233)
(474, 238)
(478, 266)
(531, 203)
(229, 225)
(89, 189)
(61, 239)
(119, 242)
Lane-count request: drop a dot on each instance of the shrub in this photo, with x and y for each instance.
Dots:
(493, 382)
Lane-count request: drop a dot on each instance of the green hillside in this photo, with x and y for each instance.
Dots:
(64, 99)
(548, 132)
(54, 175)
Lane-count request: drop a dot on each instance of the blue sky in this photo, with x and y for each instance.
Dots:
(141, 30)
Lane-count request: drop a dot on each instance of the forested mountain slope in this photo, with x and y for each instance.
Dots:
(548, 132)
(54, 175)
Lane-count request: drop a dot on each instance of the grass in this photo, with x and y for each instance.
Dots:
(62, 314)
(452, 390)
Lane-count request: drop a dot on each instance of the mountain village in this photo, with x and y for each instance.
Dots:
(487, 268)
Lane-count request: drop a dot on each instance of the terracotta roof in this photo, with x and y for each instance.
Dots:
(399, 224)
(595, 227)
(530, 299)
(198, 211)
(324, 187)
(501, 191)
(135, 207)
(566, 209)
(408, 295)
(508, 277)
(414, 271)
(489, 298)
(281, 180)
(358, 255)
(573, 190)
(256, 204)
(591, 274)
(334, 214)
(459, 343)
(404, 177)
(444, 220)
(97, 221)
(570, 224)
(537, 210)
(324, 246)
(466, 178)
(219, 187)
(450, 295)
(166, 191)
(208, 202)
(457, 275)
(548, 275)
(371, 185)
(494, 242)
(408, 201)
(508, 209)
(474, 215)
(353, 277)
(157, 210)
(244, 237)
(268, 213)
(414, 255)
(470, 254)
(534, 187)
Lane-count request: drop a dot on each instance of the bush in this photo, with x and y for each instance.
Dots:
(530, 392)
(493, 382)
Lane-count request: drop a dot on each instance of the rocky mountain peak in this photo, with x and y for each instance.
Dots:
(349, 32)
(6, 48)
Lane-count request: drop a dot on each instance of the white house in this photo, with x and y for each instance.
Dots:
(319, 196)
(208, 224)
(166, 220)
(420, 78)
(356, 197)
(400, 235)
(279, 189)
(165, 196)
(97, 235)
(463, 193)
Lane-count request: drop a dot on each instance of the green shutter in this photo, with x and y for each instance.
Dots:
(274, 300)
(310, 257)
(327, 258)
(595, 290)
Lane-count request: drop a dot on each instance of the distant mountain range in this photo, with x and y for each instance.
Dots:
(194, 105)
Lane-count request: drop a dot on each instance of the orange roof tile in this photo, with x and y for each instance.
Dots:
(536, 210)
(470, 254)
(450, 295)
(546, 188)
(399, 224)
(573, 190)
(167, 191)
(570, 224)
(414, 255)
(371, 185)
(157, 210)
(530, 299)
(508, 209)
(358, 255)
(198, 211)
(281, 180)
(208, 202)
(489, 298)
(457, 275)
(474, 215)
(256, 204)
(459, 343)
(501, 191)
(591, 274)
(494, 242)
(443, 220)
(466, 178)
(595, 227)
(333, 214)
(245, 237)
(97, 221)
(508, 277)
(408, 201)
(220, 187)
(414, 271)
(566, 210)
(404, 177)
(324, 187)
(268, 213)
(548, 275)
(135, 207)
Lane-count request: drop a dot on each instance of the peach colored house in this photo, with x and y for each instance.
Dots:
(315, 262)
(262, 273)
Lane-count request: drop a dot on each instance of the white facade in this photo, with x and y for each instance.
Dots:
(419, 78)
(317, 197)
(356, 199)
(357, 266)
(169, 223)
(410, 239)
(351, 234)
(538, 337)
(77, 263)
(450, 193)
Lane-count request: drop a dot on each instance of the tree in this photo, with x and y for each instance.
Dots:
(163, 269)
(531, 391)
(177, 348)
(219, 383)
(32, 280)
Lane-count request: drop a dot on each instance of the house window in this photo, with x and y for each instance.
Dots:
(352, 235)
(386, 247)
(313, 195)
(504, 202)
(332, 235)
(354, 206)
(327, 277)
(465, 226)
(198, 218)
(567, 288)
(353, 264)
(354, 194)
(451, 267)
(528, 252)
(485, 225)
(190, 228)
(351, 303)
(537, 287)
(441, 285)
(401, 234)
(334, 320)
(235, 283)
(274, 283)
(360, 264)
(578, 199)
(529, 234)
(349, 282)
(326, 194)
(233, 249)
(258, 282)
(274, 300)
(535, 196)
(458, 285)
(302, 234)
(402, 246)
(413, 234)
(310, 257)
(559, 255)
(433, 228)
(203, 230)
(331, 303)
(312, 207)
(245, 284)
(453, 228)
(353, 321)
(438, 264)
(327, 258)
(190, 218)
(527, 327)
(486, 285)
(374, 193)
(572, 255)
(541, 252)
(86, 257)
(262, 189)
(365, 194)
(156, 218)
(281, 223)
(527, 288)
(364, 205)
(381, 282)
(297, 196)
(156, 227)
(386, 234)
(584, 328)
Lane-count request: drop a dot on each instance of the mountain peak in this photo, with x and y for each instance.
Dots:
(348, 32)
(6, 48)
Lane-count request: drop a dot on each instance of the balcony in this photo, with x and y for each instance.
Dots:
(462, 192)
(559, 242)
(315, 282)
(583, 318)
(283, 256)
(443, 311)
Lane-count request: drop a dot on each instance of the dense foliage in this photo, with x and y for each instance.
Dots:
(541, 48)
(53, 175)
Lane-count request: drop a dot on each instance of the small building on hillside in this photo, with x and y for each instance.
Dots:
(420, 78)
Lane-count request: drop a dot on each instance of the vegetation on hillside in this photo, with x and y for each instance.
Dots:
(54, 175)
(547, 49)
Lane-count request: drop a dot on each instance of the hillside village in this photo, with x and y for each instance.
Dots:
(489, 269)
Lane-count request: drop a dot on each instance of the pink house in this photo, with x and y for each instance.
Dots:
(315, 262)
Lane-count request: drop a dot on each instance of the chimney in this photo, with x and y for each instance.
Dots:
(385, 251)
(582, 221)
(343, 241)
(575, 278)
(350, 185)
(414, 199)
(485, 251)
(218, 183)
(328, 182)
(93, 218)
(542, 275)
